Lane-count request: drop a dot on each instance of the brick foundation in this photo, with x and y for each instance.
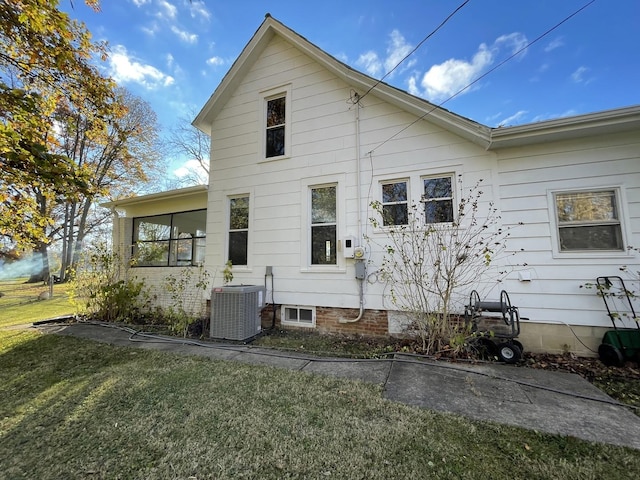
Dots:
(373, 322)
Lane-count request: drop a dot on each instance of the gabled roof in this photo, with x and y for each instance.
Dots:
(618, 120)
(464, 127)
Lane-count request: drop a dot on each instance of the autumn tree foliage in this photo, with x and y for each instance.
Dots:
(46, 59)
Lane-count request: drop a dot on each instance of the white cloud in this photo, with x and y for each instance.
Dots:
(139, 3)
(124, 69)
(192, 170)
(513, 119)
(553, 44)
(551, 116)
(199, 10)
(370, 62)
(215, 61)
(448, 78)
(184, 35)
(515, 41)
(453, 76)
(168, 10)
(397, 49)
(578, 75)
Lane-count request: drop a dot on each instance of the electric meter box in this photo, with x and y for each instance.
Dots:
(349, 247)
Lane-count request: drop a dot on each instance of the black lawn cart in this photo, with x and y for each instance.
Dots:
(496, 325)
(620, 344)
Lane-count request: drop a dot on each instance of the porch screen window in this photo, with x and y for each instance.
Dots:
(174, 240)
(588, 221)
(438, 199)
(275, 135)
(394, 203)
(323, 225)
(238, 230)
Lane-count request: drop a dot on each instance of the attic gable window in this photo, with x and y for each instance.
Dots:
(276, 124)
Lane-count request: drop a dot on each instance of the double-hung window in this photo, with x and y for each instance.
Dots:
(437, 198)
(174, 239)
(276, 109)
(588, 221)
(323, 225)
(395, 204)
(238, 230)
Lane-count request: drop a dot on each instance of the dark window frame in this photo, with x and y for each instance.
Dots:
(171, 253)
(236, 232)
(276, 129)
(392, 206)
(433, 205)
(320, 228)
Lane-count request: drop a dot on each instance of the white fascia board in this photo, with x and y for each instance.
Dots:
(154, 197)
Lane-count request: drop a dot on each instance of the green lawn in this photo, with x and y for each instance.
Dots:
(72, 408)
(19, 303)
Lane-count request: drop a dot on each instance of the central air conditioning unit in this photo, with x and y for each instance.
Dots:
(235, 312)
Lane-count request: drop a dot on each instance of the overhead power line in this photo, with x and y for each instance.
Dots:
(491, 70)
(416, 48)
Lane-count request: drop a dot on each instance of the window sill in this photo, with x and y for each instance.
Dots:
(593, 254)
(274, 159)
(324, 269)
(297, 324)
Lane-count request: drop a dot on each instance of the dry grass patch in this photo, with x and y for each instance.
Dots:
(71, 408)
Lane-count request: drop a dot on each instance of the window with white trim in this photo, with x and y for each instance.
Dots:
(395, 203)
(238, 230)
(298, 316)
(323, 225)
(173, 239)
(275, 122)
(588, 221)
(437, 198)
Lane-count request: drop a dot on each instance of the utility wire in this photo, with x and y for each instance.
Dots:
(515, 54)
(416, 48)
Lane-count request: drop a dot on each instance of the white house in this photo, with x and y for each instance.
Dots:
(301, 144)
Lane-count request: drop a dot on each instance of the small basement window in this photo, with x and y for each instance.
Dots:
(298, 316)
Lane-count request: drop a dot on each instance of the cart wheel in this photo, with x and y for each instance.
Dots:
(519, 345)
(610, 355)
(505, 307)
(509, 353)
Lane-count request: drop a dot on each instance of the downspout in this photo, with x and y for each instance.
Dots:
(359, 200)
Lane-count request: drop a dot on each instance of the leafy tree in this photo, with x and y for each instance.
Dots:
(45, 60)
(120, 158)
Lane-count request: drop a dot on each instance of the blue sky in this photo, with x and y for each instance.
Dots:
(173, 53)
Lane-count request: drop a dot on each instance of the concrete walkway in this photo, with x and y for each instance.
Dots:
(552, 402)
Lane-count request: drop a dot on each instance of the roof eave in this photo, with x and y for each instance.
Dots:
(569, 128)
(154, 197)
